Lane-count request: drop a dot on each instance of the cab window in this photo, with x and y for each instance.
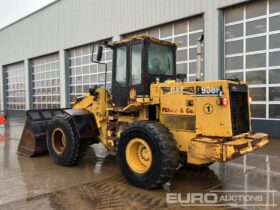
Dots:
(136, 64)
(160, 60)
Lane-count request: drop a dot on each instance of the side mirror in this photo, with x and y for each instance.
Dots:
(99, 53)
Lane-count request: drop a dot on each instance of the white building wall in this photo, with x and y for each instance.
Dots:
(69, 23)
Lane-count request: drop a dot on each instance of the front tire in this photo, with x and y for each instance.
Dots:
(63, 143)
(147, 154)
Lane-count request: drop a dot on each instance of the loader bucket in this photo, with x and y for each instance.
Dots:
(33, 138)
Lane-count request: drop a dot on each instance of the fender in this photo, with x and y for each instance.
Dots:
(85, 124)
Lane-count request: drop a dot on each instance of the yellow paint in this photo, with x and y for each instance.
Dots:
(59, 141)
(85, 103)
(203, 127)
(222, 150)
(183, 139)
(217, 122)
(138, 155)
(145, 36)
(132, 94)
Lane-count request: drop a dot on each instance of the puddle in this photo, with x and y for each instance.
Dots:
(97, 183)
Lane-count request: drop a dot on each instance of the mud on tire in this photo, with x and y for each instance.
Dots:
(165, 155)
(74, 150)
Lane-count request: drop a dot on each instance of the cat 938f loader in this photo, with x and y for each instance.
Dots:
(151, 119)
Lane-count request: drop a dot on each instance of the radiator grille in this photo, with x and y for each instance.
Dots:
(239, 109)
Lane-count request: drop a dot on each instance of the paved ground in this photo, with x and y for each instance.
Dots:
(37, 183)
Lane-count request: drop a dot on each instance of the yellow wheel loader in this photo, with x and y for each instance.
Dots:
(151, 119)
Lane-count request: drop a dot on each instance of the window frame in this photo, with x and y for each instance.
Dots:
(173, 62)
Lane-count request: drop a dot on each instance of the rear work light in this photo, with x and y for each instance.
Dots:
(223, 101)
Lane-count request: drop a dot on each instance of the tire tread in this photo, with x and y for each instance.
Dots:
(79, 148)
(168, 151)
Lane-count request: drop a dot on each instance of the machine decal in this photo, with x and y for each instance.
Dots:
(208, 108)
(207, 91)
(177, 110)
(189, 103)
(184, 90)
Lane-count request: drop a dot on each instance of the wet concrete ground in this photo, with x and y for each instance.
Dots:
(38, 183)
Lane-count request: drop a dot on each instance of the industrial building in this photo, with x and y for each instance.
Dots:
(45, 57)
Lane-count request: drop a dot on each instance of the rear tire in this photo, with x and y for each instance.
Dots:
(63, 142)
(152, 138)
(198, 167)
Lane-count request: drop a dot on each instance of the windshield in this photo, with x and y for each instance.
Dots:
(160, 60)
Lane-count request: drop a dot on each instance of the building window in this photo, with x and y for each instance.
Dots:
(46, 82)
(15, 86)
(252, 52)
(185, 32)
(85, 74)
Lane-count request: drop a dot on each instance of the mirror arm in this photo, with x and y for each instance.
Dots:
(105, 76)
(105, 81)
(103, 63)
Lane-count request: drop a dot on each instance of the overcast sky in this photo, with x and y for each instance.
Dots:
(12, 10)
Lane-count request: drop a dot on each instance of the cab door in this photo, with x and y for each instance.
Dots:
(120, 76)
(127, 72)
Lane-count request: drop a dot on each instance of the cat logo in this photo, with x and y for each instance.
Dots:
(177, 89)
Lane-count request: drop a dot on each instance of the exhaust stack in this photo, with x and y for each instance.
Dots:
(198, 57)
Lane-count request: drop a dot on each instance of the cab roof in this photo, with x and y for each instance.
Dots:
(146, 37)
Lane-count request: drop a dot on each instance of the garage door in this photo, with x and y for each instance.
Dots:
(85, 74)
(46, 82)
(252, 53)
(14, 86)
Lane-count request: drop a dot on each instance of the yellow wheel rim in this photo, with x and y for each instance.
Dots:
(58, 141)
(138, 155)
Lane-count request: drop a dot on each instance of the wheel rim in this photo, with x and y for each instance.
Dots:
(58, 141)
(139, 155)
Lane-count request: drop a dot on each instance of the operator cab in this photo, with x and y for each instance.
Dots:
(137, 62)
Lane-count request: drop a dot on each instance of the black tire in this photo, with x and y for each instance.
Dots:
(165, 155)
(197, 167)
(75, 149)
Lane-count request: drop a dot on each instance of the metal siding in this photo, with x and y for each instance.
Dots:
(28, 84)
(267, 126)
(69, 23)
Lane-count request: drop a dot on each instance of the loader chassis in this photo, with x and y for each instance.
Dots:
(149, 120)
